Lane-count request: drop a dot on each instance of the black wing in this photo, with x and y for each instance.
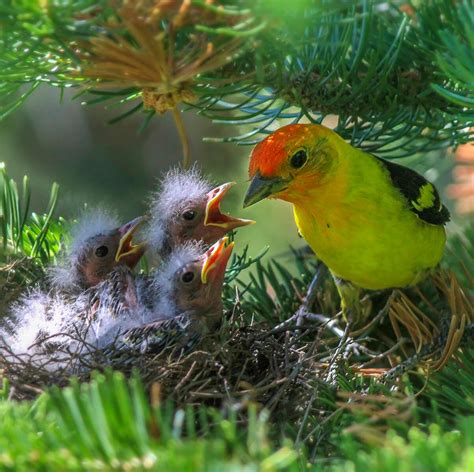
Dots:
(422, 196)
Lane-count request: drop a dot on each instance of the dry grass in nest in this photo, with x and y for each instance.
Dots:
(15, 276)
(250, 365)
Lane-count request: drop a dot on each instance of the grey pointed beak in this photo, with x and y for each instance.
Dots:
(262, 187)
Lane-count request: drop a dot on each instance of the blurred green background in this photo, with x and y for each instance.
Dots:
(116, 165)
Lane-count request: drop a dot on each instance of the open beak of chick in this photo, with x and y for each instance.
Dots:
(214, 216)
(215, 261)
(128, 252)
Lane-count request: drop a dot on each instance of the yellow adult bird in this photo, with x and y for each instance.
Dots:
(374, 223)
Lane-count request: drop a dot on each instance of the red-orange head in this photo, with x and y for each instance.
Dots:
(284, 163)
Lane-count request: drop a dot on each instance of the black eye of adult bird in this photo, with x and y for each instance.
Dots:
(101, 251)
(298, 159)
(189, 215)
(187, 277)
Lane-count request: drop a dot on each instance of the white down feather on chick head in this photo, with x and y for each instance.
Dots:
(177, 190)
(92, 223)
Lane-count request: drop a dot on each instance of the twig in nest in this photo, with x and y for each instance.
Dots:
(408, 364)
(383, 355)
(304, 310)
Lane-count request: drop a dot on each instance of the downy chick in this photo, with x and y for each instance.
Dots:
(186, 208)
(96, 268)
(98, 245)
(188, 290)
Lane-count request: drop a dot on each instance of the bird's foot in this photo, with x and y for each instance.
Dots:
(357, 312)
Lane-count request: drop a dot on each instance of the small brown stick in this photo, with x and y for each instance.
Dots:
(186, 377)
(263, 388)
(292, 376)
(178, 119)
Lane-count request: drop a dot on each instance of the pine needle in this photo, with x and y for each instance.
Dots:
(141, 47)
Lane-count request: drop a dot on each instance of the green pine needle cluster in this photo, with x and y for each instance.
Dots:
(112, 424)
(28, 240)
(398, 76)
(24, 234)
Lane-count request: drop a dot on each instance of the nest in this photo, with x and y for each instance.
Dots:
(285, 368)
(251, 363)
(15, 276)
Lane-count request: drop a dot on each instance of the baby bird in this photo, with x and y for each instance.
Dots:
(188, 290)
(98, 245)
(186, 208)
(94, 273)
(112, 308)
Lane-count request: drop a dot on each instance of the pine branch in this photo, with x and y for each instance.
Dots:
(456, 60)
(450, 391)
(28, 241)
(398, 81)
(24, 234)
(374, 69)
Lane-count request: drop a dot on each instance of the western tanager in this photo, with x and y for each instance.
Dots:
(374, 223)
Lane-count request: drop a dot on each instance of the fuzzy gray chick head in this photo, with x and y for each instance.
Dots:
(187, 208)
(191, 279)
(98, 245)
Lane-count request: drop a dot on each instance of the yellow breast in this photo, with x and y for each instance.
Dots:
(361, 228)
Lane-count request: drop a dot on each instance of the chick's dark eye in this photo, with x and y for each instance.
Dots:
(187, 277)
(189, 215)
(298, 159)
(101, 251)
